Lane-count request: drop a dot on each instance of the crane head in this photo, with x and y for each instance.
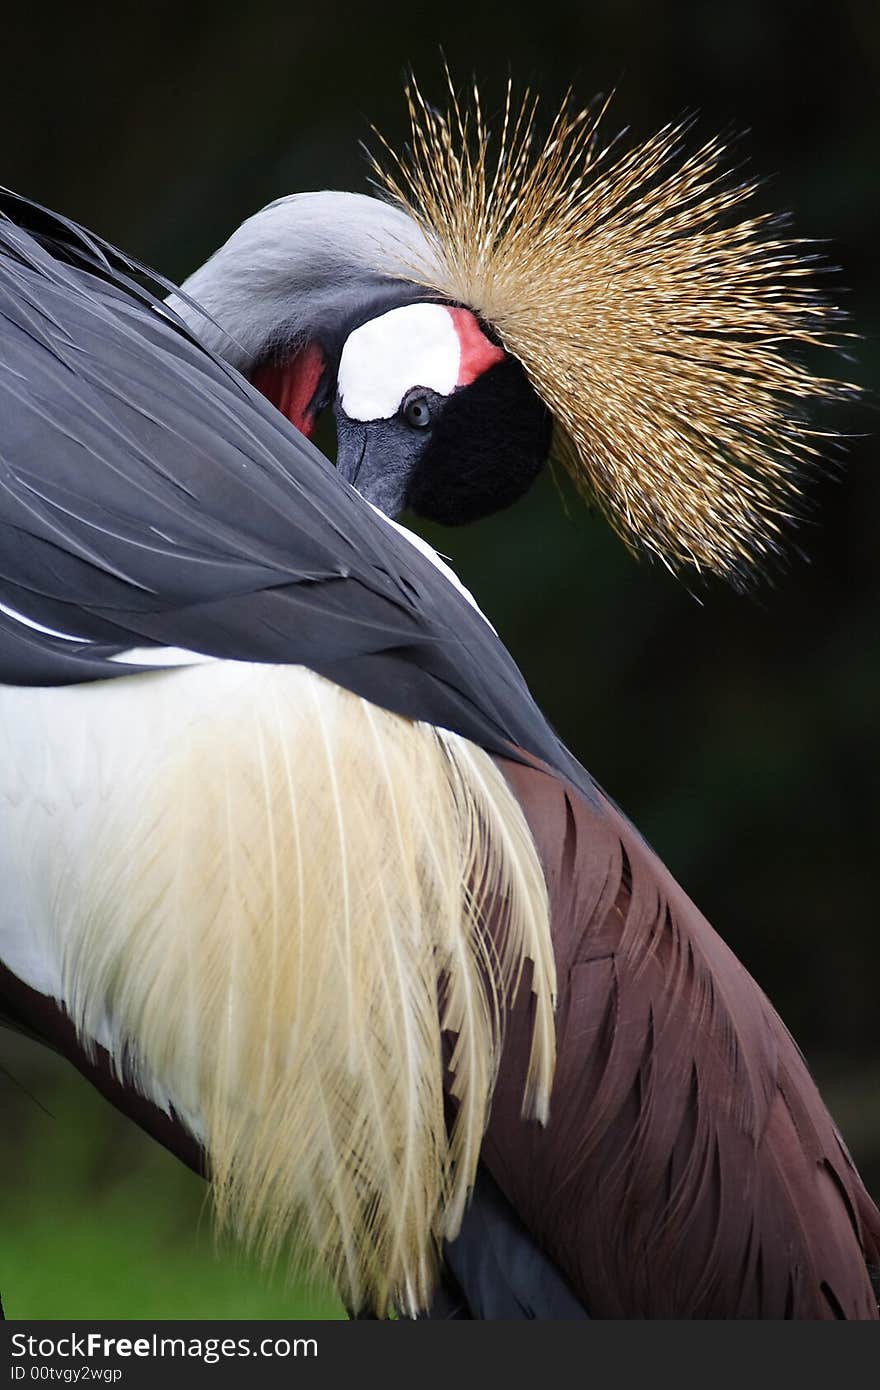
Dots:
(434, 417)
(511, 299)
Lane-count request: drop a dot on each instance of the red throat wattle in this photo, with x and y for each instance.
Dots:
(291, 386)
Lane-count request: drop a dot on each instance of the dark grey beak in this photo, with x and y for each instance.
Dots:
(377, 458)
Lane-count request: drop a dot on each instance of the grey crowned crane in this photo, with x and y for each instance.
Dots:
(293, 867)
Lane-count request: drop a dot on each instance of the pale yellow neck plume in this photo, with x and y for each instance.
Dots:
(287, 928)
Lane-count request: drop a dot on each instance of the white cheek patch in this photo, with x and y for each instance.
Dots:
(415, 345)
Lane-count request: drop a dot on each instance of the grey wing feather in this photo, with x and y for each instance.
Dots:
(150, 496)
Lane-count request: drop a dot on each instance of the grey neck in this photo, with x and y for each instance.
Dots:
(309, 267)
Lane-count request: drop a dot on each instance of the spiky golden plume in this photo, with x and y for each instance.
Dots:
(662, 333)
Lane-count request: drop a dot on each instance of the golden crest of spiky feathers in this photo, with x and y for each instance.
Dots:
(662, 331)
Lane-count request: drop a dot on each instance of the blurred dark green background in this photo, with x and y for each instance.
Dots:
(740, 734)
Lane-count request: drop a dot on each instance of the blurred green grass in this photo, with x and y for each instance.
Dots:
(98, 1221)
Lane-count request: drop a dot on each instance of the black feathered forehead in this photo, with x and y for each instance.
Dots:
(489, 443)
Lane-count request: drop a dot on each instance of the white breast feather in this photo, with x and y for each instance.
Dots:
(267, 898)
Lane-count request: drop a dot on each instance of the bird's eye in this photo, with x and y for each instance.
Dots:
(417, 412)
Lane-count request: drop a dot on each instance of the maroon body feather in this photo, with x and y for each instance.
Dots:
(690, 1168)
